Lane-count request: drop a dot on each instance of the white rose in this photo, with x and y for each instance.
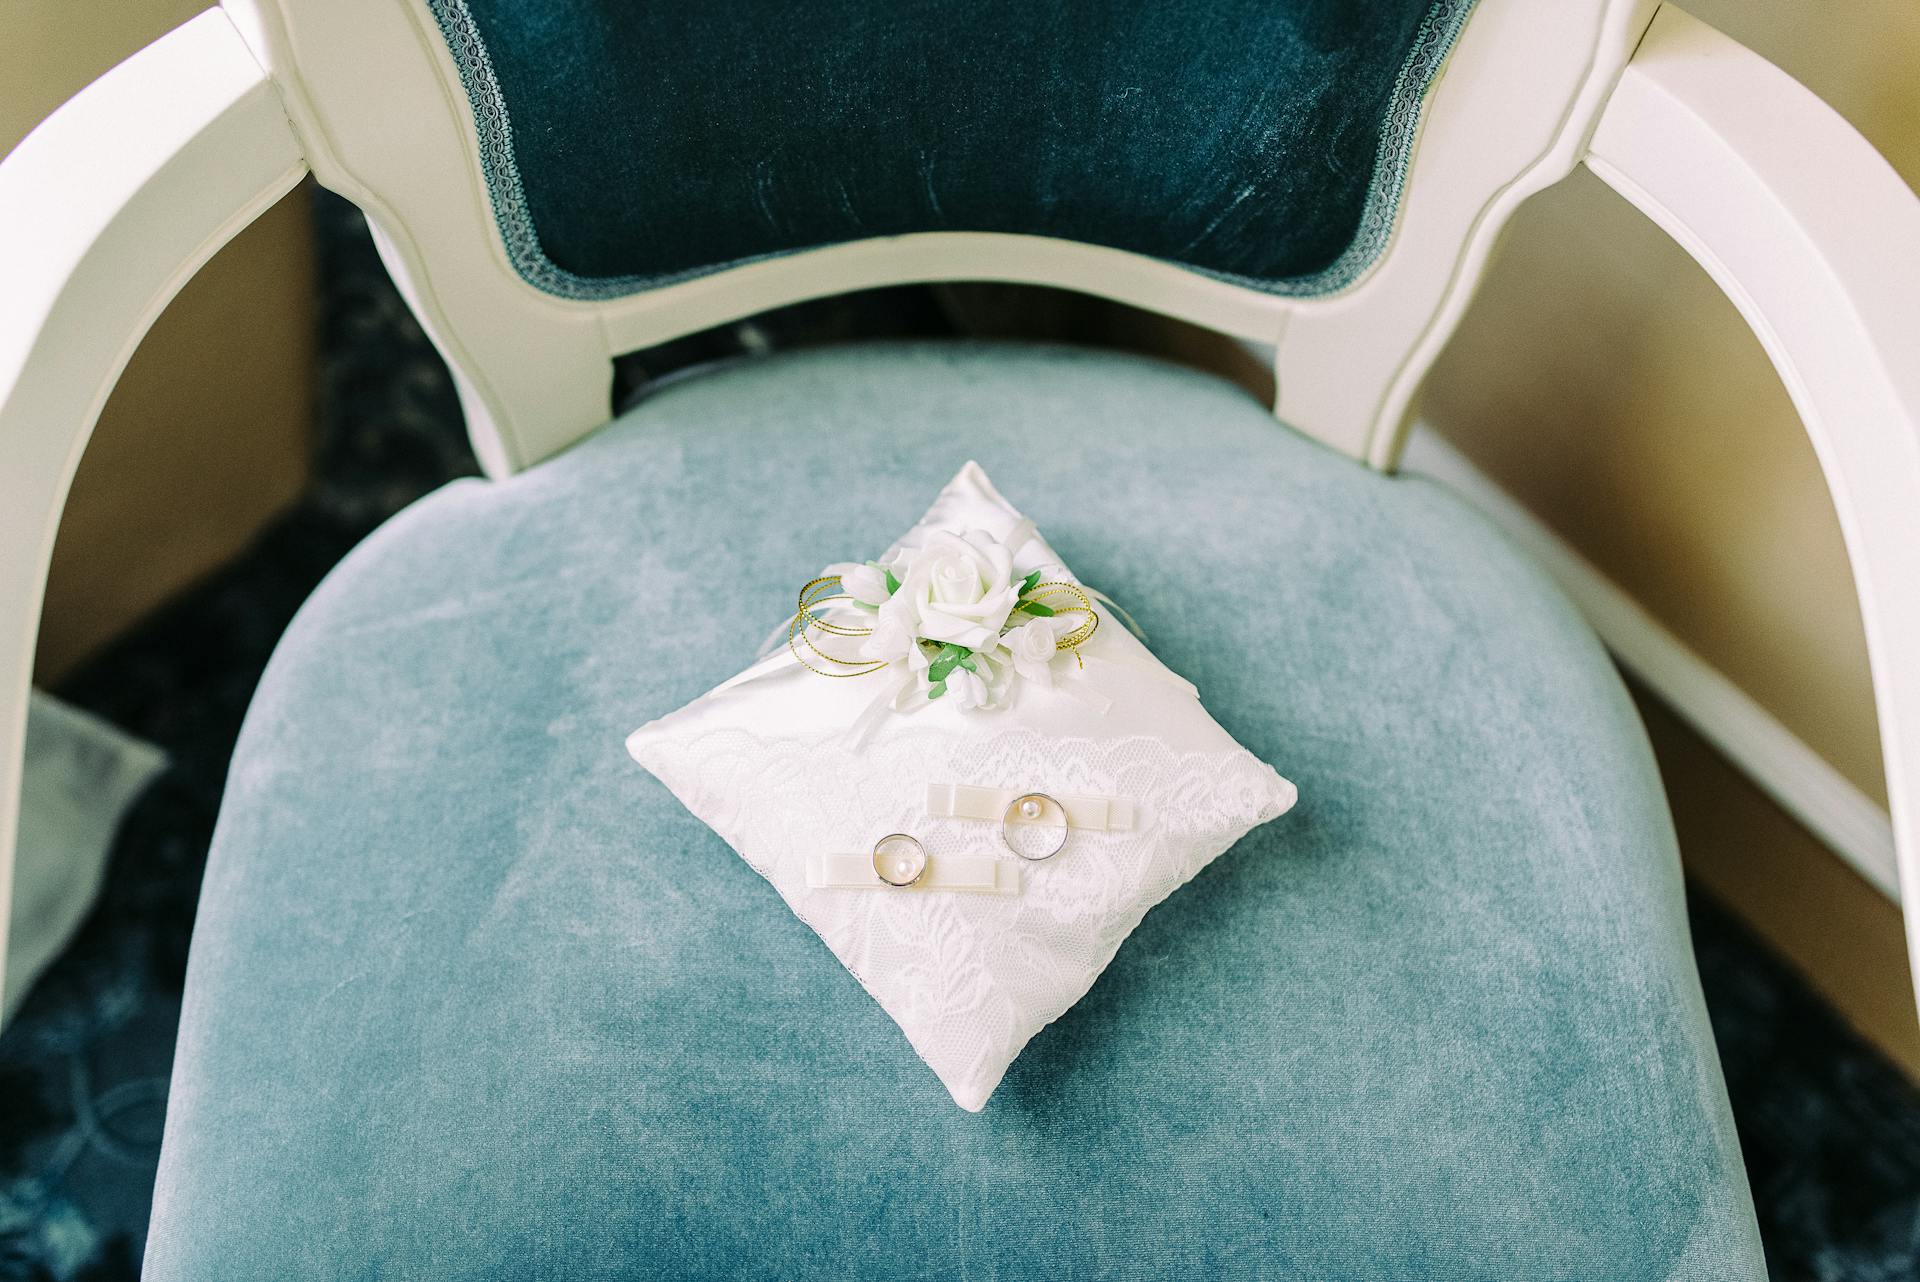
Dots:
(866, 584)
(958, 589)
(967, 689)
(891, 640)
(982, 685)
(1031, 648)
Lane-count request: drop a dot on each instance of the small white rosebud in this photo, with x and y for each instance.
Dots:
(967, 689)
(1032, 646)
(864, 583)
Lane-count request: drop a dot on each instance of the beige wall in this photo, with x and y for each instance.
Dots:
(1602, 378)
(205, 437)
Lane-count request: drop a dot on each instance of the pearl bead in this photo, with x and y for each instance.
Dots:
(899, 860)
(1035, 826)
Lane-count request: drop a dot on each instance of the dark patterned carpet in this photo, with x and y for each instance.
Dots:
(1831, 1132)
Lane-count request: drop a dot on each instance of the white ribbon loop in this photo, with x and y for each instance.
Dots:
(981, 874)
(989, 805)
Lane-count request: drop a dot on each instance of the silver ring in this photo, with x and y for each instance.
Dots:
(1030, 809)
(899, 859)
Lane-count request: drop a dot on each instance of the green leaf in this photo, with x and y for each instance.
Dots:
(893, 584)
(1029, 583)
(939, 688)
(944, 662)
(1036, 609)
(967, 663)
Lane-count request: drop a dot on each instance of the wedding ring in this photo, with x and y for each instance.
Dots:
(1029, 826)
(899, 860)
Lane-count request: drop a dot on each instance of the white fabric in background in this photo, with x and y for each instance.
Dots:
(970, 978)
(80, 776)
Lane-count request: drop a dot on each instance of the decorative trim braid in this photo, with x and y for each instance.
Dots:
(1398, 133)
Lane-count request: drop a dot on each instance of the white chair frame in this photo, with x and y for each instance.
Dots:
(109, 207)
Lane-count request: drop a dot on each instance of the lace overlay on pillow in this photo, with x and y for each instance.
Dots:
(970, 978)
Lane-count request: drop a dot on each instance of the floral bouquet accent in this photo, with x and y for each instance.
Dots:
(952, 614)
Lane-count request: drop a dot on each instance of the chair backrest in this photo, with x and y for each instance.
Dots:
(555, 183)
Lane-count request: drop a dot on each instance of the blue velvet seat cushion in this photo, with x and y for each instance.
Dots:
(629, 143)
(472, 996)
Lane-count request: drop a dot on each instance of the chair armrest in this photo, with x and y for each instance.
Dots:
(1817, 242)
(106, 210)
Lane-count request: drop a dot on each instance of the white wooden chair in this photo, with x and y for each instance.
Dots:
(118, 198)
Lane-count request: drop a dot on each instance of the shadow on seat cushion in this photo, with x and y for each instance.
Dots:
(472, 996)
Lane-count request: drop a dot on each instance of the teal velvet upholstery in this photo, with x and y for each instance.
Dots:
(472, 996)
(628, 143)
